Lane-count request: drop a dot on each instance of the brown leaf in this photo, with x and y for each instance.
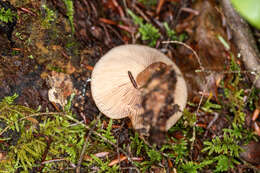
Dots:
(116, 161)
(255, 114)
(252, 153)
(33, 120)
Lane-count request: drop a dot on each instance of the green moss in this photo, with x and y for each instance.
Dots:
(50, 17)
(7, 15)
(148, 31)
(70, 13)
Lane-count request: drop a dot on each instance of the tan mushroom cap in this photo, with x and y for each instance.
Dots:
(114, 94)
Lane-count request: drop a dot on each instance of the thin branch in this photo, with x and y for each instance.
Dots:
(188, 47)
(53, 160)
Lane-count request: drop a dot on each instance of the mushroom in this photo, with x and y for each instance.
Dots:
(121, 80)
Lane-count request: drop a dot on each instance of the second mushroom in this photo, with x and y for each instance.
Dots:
(141, 83)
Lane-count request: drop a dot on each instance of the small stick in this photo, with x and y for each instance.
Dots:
(49, 141)
(159, 6)
(85, 145)
(190, 10)
(216, 116)
(120, 10)
(53, 160)
(141, 13)
(132, 79)
(190, 48)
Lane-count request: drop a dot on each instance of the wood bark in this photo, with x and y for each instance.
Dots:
(244, 40)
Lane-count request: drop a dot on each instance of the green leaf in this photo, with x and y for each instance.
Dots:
(70, 13)
(249, 9)
(189, 167)
(147, 31)
(223, 163)
(154, 155)
(10, 99)
(137, 20)
(7, 15)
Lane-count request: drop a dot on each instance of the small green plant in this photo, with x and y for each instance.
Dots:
(224, 163)
(179, 150)
(103, 166)
(148, 31)
(234, 67)
(189, 167)
(70, 13)
(50, 17)
(189, 118)
(11, 114)
(223, 41)
(53, 134)
(31, 57)
(106, 132)
(19, 35)
(235, 94)
(237, 104)
(136, 144)
(238, 132)
(226, 148)
(210, 107)
(7, 15)
(225, 145)
(193, 167)
(153, 157)
(172, 34)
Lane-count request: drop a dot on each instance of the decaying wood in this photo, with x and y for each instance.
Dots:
(244, 40)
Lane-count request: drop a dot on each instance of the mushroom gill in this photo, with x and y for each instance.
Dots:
(136, 81)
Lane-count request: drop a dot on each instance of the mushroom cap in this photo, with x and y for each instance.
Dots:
(114, 94)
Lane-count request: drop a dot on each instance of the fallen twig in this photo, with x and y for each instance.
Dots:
(53, 160)
(216, 116)
(159, 6)
(86, 144)
(188, 47)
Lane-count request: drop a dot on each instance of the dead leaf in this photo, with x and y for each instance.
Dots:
(61, 87)
(251, 153)
(116, 161)
(255, 114)
(33, 120)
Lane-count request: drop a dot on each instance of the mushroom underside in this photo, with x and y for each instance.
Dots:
(114, 92)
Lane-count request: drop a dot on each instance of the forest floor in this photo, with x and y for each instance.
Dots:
(56, 49)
